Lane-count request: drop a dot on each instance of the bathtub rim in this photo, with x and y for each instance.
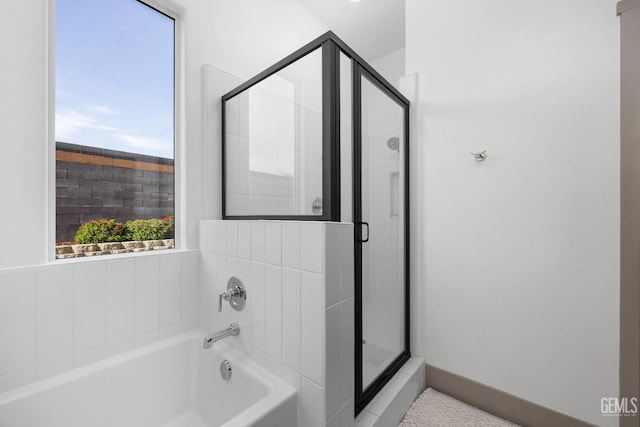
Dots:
(279, 392)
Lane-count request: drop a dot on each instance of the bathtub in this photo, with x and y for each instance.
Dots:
(173, 383)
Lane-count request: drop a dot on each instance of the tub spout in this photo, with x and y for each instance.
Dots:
(233, 329)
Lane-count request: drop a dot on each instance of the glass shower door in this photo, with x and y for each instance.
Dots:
(381, 217)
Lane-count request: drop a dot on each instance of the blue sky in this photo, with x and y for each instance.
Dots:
(115, 76)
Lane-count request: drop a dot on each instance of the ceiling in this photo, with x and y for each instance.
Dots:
(373, 28)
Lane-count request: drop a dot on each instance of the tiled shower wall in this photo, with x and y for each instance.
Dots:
(299, 320)
(59, 317)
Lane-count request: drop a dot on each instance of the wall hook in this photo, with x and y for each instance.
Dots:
(480, 156)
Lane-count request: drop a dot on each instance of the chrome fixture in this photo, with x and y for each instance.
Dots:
(316, 206)
(232, 330)
(236, 294)
(225, 370)
(480, 156)
(394, 143)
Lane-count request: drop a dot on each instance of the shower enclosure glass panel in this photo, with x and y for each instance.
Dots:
(322, 136)
(383, 282)
(273, 131)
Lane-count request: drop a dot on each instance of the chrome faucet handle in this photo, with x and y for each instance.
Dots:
(236, 294)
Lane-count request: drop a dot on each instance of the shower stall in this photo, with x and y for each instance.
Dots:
(322, 136)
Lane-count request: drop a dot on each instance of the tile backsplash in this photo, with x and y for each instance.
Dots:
(298, 321)
(299, 315)
(58, 317)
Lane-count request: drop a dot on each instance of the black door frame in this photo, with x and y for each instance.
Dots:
(331, 46)
(363, 397)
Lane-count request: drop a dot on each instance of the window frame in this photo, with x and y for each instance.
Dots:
(330, 129)
(174, 12)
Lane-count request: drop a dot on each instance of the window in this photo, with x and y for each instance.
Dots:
(114, 127)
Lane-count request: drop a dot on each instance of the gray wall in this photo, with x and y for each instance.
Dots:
(88, 191)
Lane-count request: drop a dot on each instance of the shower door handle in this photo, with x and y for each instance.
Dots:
(367, 239)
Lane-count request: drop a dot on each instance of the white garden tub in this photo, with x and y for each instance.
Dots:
(173, 383)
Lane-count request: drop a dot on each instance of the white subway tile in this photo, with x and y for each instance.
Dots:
(86, 357)
(291, 245)
(258, 317)
(285, 123)
(257, 241)
(333, 264)
(232, 116)
(241, 172)
(244, 240)
(274, 312)
(244, 316)
(291, 319)
(309, 130)
(232, 270)
(117, 347)
(211, 288)
(273, 243)
(55, 367)
(203, 235)
(170, 304)
(120, 299)
(312, 247)
(213, 208)
(17, 322)
(333, 360)
(146, 338)
(90, 304)
(274, 367)
(347, 278)
(209, 270)
(229, 82)
(344, 417)
(211, 235)
(213, 89)
(259, 357)
(220, 243)
(294, 379)
(190, 284)
(228, 314)
(213, 168)
(312, 404)
(17, 379)
(347, 356)
(232, 239)
(169, 331)
(54, 312)
(189, 325)
(147, 289)
(312, 286)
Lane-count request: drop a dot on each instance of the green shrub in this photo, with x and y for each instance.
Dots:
(109, 230)
(99, 231)
(145, 229)
(169, 222)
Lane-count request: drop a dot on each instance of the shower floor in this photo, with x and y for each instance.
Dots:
(382, 340)
(374, 360)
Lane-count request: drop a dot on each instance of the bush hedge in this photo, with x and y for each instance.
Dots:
(109, 230)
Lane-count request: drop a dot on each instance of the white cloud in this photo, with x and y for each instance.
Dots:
(70, 123)
(78, 126)
(161, 147)
(102, 109)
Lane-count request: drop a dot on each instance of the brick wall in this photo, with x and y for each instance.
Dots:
(93, 183)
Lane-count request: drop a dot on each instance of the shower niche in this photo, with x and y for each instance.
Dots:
(321, 136)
